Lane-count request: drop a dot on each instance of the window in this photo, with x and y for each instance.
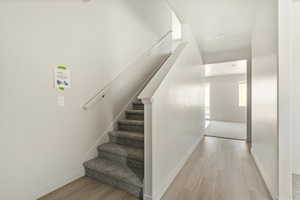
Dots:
(242, 94)
(176, 27)
(207, 101)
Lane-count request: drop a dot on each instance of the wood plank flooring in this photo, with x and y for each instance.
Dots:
(296, 187)
(88, 189)
(219, 169)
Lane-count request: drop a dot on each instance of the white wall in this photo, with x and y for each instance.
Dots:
(43, 146)
(224, 98)
(295, 80)
(178, 116)
(285, 111)
(230, 55)
(264, 92)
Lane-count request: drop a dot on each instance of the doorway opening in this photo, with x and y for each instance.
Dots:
(226, 100)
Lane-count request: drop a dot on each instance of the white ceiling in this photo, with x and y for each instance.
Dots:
(227, 68)
(218, 25)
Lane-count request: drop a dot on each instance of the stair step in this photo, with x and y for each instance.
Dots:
(131, 125)
(135, 114)
(127, 138)
(126, 155)
(109, 172)
(138, 101)
(138, 105)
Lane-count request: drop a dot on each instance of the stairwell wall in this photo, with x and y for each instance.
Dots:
(295, 94)
(285, 87)
(264, 93)
(42, 145)
(177, 116)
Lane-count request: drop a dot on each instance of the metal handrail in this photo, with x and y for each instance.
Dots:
(101, 93)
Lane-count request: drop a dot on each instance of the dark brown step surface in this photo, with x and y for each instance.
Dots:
(138, 101)
(131, 125)
(128, 135)
(123, 151)
(120, 162)
(138, 105)
(127, 138)
(110, 172)
(129, 156)
(135, 114)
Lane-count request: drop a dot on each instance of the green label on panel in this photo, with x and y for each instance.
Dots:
(62, 67)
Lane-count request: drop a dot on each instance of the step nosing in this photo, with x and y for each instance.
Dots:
(129, 135)
(125, 132)
(132, 122)
(117, 178)
(123, 151)
(125, 156)
(138, 102)
(134, 111)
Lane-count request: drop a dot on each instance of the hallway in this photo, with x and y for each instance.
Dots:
(219, 169)
(154, 100)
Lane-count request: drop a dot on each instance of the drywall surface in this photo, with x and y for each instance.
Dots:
(42, 145)
(264, 92)
(216, 25)
(224, 98)
(295, 90)
(285, 85)
(177, 116)
(230, 55)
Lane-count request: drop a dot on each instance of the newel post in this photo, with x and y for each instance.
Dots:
(148, 177)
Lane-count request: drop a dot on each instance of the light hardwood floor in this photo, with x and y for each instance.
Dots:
(88, 189)
(219, 169)
(296, 187)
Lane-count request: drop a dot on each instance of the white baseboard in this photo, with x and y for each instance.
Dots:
(264, 175)
(173, 174)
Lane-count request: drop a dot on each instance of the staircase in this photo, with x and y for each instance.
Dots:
(120, 162)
